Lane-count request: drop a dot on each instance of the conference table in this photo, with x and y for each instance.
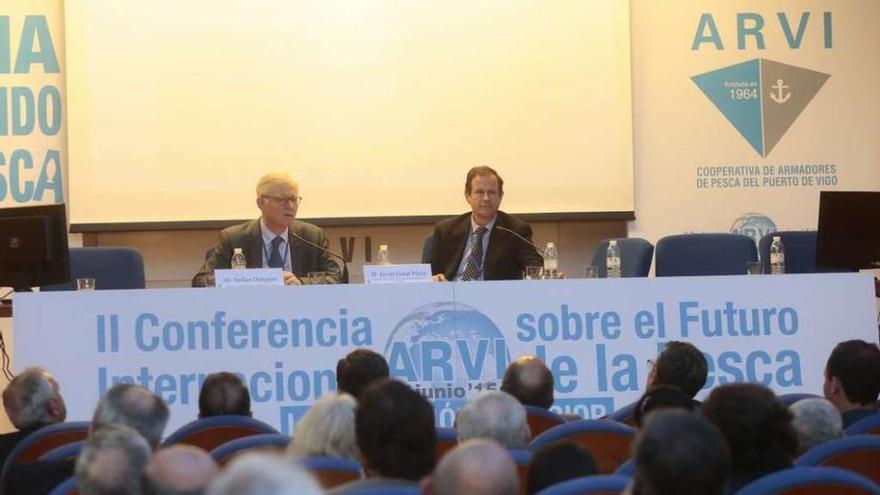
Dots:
(448, 340)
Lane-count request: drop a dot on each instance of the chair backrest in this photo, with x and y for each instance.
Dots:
(212, 432)
(599, 484)
(625, 415)
(628, 468)
(43, 440)
(332, 471)
(636, 255)
(447, 439)
(704, 254)
(608, 441)
(541, 420)
(67, 487)
(859, 454)
(869, 425)
(800, 251)
(522, 458)
(69, 451)
(426, 249)
(376, 486)
(811, 481)
(111, 267)
(266, 442)
(789, 399)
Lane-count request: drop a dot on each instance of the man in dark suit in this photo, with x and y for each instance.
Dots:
(32, 400)
(480, 245)
(275, 240)
(852, 379)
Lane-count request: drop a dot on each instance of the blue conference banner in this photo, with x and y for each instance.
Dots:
(448, 341)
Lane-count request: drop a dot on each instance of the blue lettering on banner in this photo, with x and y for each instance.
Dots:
(782, 368)
(568, 325)
(751, 25)
(152, 334)
(34, 29)
(24, 190)
(587, 407)
(734, 322)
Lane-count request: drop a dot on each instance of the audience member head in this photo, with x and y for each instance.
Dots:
(358, 369)
(680, 364)
(474, 467)
(394, 427)
(494, 415)
(558, 462)
(33, 399)
(135, 407)
(815, 421)
(678, 452)
(111, 461)
(263, 474)
(661, 397)
(224, 393)
(755, 424)
(179, 470)
(530, 381)
(327, 429)
(852, 375)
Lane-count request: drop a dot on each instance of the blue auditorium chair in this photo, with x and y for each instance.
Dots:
(376, 486)
(609, 441)
(67, 487)
(811, 481)
(704, 254)
(541, 420)
(68, 451)
(47, 438)
(111, 267)
(859, 454)
(627, 469)
(212, 432)
(625, 414)
(636, 255)
(262, 442)
(599, 484)
(447, 439)
(789, 399)
(332, 472)
(521, 458)
(800, 251)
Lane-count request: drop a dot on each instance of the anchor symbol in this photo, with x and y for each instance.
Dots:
(780, 96)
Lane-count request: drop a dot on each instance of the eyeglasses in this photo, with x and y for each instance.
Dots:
(283, 200)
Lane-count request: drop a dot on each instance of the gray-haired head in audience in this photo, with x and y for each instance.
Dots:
(135, 407)
(33, 399)
(494, 415)
(179, 470)
(111, 461)
(264, 474)
(815, 421)
(327, 429)
(474, 467)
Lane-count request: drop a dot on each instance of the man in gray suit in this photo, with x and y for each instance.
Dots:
(275, 240)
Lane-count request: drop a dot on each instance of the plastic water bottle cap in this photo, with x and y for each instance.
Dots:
(237, 250)
(612, 242)
(776, 238)
(383, 247)
(550, 245)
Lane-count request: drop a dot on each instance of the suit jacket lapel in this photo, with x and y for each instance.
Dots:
(254, 247)
(458, 240)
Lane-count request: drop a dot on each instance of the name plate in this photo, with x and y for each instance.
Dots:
(397, 274)
(250, 277)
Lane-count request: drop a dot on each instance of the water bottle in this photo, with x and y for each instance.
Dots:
(777, 256)
(384, 258)
(239, 262)
(551, 261)
(612, 260)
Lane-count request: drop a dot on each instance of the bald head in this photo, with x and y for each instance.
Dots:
(179, 470)
(530, 381)
(476, 467)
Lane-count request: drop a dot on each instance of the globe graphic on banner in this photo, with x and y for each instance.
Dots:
(754, 225)
(460, 337)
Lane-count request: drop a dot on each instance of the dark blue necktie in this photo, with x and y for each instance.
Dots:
(275, 260)
(474, 264)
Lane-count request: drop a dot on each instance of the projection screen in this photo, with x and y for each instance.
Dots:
(377, 107)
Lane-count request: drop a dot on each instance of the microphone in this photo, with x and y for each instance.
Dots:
(523, 238)
(325, 250)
